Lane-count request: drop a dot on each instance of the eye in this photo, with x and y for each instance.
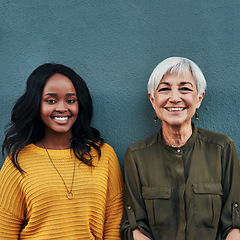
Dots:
(51, 101)
(164, 89)
(70, 101)
(185, 89)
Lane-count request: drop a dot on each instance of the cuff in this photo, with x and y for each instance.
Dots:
(236, 215)
(131, 217)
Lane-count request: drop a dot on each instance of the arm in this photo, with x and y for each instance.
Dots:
(230, 216)
(114, 202)
(10, 225)
(11, 202)
(134, 212)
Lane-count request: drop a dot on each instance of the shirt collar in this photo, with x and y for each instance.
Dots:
(188, 145)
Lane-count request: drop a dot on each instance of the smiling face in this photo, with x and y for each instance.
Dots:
(59, 105)
(176, 99)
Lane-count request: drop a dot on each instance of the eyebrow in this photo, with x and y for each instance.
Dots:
(54, 94)
(181, 83)
(184, 83)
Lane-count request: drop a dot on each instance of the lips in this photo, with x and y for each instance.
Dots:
(172, 109)
(61, 119)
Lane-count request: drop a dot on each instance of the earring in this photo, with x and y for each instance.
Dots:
(196, 116)
(155, 119)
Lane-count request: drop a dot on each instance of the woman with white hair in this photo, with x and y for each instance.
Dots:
(183, 182)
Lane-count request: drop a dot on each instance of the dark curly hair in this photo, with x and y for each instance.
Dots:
(27, 127)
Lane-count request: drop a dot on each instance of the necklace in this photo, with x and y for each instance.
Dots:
(70, 194)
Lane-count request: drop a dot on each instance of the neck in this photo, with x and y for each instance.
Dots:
(58, 141)
(176, 136)
(58, 145)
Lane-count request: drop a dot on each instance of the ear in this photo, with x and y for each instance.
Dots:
(152, 100)
(200, 98)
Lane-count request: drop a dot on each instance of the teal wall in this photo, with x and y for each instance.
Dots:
(114, 46)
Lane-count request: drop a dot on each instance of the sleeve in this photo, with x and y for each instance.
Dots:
(230, 216)
(114, 202)
(134, 211)
(11, 202)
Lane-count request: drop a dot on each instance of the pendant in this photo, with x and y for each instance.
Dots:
(70, 195)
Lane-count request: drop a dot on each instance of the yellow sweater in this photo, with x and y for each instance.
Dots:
(39, 197)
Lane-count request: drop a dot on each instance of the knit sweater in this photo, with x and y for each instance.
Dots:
(34, 205)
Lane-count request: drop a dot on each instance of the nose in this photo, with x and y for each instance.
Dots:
(175, 96)
(61, 106)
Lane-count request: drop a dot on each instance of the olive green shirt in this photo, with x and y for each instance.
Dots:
(191, 192)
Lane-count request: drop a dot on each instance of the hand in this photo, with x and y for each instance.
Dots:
(234, 234)
(138, 235)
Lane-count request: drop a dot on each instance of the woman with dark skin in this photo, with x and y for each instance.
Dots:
(60, 180)
(183, 182)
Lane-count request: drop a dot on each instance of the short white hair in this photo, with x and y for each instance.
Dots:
(178, 65)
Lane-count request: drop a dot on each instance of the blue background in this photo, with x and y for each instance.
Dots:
(114, 46)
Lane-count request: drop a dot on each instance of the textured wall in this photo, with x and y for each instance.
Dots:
(114, 46)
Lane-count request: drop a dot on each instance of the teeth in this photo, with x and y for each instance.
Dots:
(61, 118)
(175, 109)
